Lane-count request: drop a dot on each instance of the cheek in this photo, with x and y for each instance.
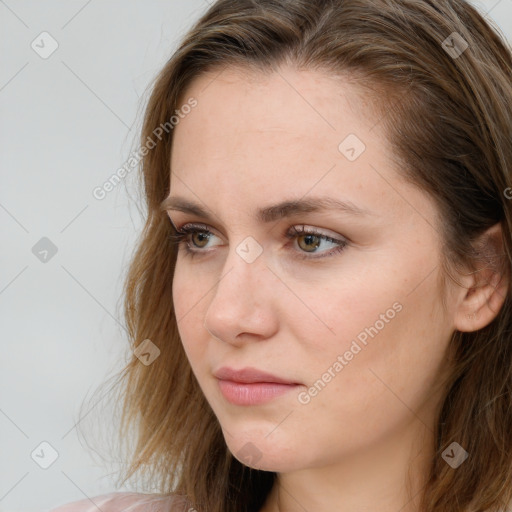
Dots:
(379, 328)
(187, 294)
(328, 318)
(182, 292)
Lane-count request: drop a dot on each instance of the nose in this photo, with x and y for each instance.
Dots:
(244, 305)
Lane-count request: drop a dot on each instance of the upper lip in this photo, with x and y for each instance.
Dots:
(249, 375)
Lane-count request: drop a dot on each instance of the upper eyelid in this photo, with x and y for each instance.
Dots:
(321, 231)
(329, 233)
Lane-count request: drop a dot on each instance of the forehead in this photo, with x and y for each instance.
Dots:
(256, 138)
(294, 103)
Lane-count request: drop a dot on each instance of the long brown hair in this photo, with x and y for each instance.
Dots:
(448, 118)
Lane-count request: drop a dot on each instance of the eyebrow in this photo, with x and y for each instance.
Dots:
(274, 212)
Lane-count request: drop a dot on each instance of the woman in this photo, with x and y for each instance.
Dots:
(320, 302)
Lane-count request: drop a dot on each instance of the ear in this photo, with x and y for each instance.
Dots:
(485, 288)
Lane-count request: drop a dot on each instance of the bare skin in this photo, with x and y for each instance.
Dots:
(254, 141)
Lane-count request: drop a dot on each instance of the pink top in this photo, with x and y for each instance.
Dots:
(120, 502)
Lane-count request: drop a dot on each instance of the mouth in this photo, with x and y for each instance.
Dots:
(250, 386)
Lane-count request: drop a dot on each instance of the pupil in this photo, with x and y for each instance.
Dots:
(202, 236)
(310, 239)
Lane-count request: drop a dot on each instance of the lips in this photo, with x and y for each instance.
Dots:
(250, 386)
(249, 375)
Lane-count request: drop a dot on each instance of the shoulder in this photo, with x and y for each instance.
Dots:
(122, 502)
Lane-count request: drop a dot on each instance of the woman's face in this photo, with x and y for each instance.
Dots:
(351, 315)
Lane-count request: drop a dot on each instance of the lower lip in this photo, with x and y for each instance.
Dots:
(255, 393)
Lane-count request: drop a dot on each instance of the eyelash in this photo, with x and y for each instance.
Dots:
(182, 235)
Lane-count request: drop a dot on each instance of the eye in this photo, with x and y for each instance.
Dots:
(194, 238)
(312, 239)
(183, 237)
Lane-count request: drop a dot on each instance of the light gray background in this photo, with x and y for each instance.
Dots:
(67, 124)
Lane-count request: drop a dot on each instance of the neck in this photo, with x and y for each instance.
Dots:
(388, 477)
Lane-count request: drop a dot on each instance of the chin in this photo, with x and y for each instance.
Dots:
(263, 453)
(274, 462)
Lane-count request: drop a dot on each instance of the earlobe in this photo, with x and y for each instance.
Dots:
(486, 288)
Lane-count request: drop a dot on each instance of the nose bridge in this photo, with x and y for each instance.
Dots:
(244, 271)
(240, 302)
